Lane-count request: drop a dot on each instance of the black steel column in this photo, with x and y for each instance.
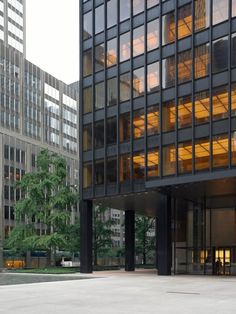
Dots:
(129, 240)
(164, 250)
(86, 236)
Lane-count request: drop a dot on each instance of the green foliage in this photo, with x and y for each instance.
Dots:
(144, 242)
(48, 200)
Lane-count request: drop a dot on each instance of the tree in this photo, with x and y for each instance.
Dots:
(145, 243)
(46, 203)
(102, 232)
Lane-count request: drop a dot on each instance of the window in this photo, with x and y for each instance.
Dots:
(202, 14)
(99, 134)
(168, 116)
(152, 3)
(202, 154)
(168, 72)
(138, 123)
(185, 112)
(185, 157)
(87, 137)
(87, 100)
(111, 131)
(220, 148)
(138, 82)
(153, 120)
(99, 19)
(220, 103)
(220, 11)
(202, 107)
(153, 81)
(12, 154)
(88, 26)
(87, 175)
(99, 96)
(184, 21)
(233, 148)
(111, 52)
(220, 54)
(153, 35)
(124, 10)
(138, 166)
(138, 6)
(138, 41)
(125, 47)
(111, 170)
(99, 172)
(6, 152)
(111, 13)
(153, 164)
(99, 58)
(168, 28)
(169, 160)
(87, 62)
(202, 61)
(112, 92)
(185, 66)
(233, 99)
(125, 167)
(233, 50)
(125, 127)
(125, 87)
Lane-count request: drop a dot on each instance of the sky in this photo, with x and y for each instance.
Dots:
(52, 37)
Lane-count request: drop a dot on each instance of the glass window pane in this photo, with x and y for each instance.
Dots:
(138, 82)
(153, 120)
(153, 80)
(233, 50)
(87, 62)
(138, 6)
(233, 8)
(185, 152)
(220, 55)
(99, 19)
(138, 166)
(169, 160)
(168, 28)
(124, 10)
(111, 13)
(201, 61)
(220, 11)
(87, 100)
(125, 167)
(202, 154)
(185, 112)
(185, 21)
(112, 92)
(99, 57)
(111, 131)
(168, 116)
(99, 172)
(233, 99)
(153, 164)
(152, 3)
(220, 99)
(220, 148)
(153, 35)
(185, 66)
(233, 148)
(168, 72)
(138, 41)
(111, 170)
(99, 96)
(87, 137)
(125, 127)
(202, 107)
(111, 52)
(202, 14)
(87, 175)
(125, 87)
(138, 123)
(87, 25)
(125, 47)
(99, 134)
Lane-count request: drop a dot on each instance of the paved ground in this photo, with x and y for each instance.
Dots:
(122, 293)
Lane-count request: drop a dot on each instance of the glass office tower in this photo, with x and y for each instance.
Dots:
(158, 126)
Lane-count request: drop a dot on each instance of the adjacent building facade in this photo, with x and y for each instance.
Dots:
(158, 126)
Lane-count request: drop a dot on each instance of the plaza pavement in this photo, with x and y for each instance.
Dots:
(118, 292)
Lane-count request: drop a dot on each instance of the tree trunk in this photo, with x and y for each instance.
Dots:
(144, 257)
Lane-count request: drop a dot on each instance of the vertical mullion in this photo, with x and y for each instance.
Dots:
(176, 90)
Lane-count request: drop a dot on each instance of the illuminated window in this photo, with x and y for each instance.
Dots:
(125, 47)
(185, 152)
(138, 6)
(111, 52)
(138, 123)
(153, 163)
(153, 81)
(220, 148)
(202, 61)
(138, 82)
(152, 120)
(138, 41)
(202, 154)
(220, 11)
(87, 137)
(125, 87)
(125, 127)
(168, 72)
(99, 57)
(185, 112)
(125, 167)
(233, 99)
(87, 175)
(202, 14)
(169, 160)
(138, 166)
(87, 100)
(202, 107)
(220, 103)
(185, 66)
(168, 28)
(233, 148)
(185, 21)
(168, 116)
(153, 35)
